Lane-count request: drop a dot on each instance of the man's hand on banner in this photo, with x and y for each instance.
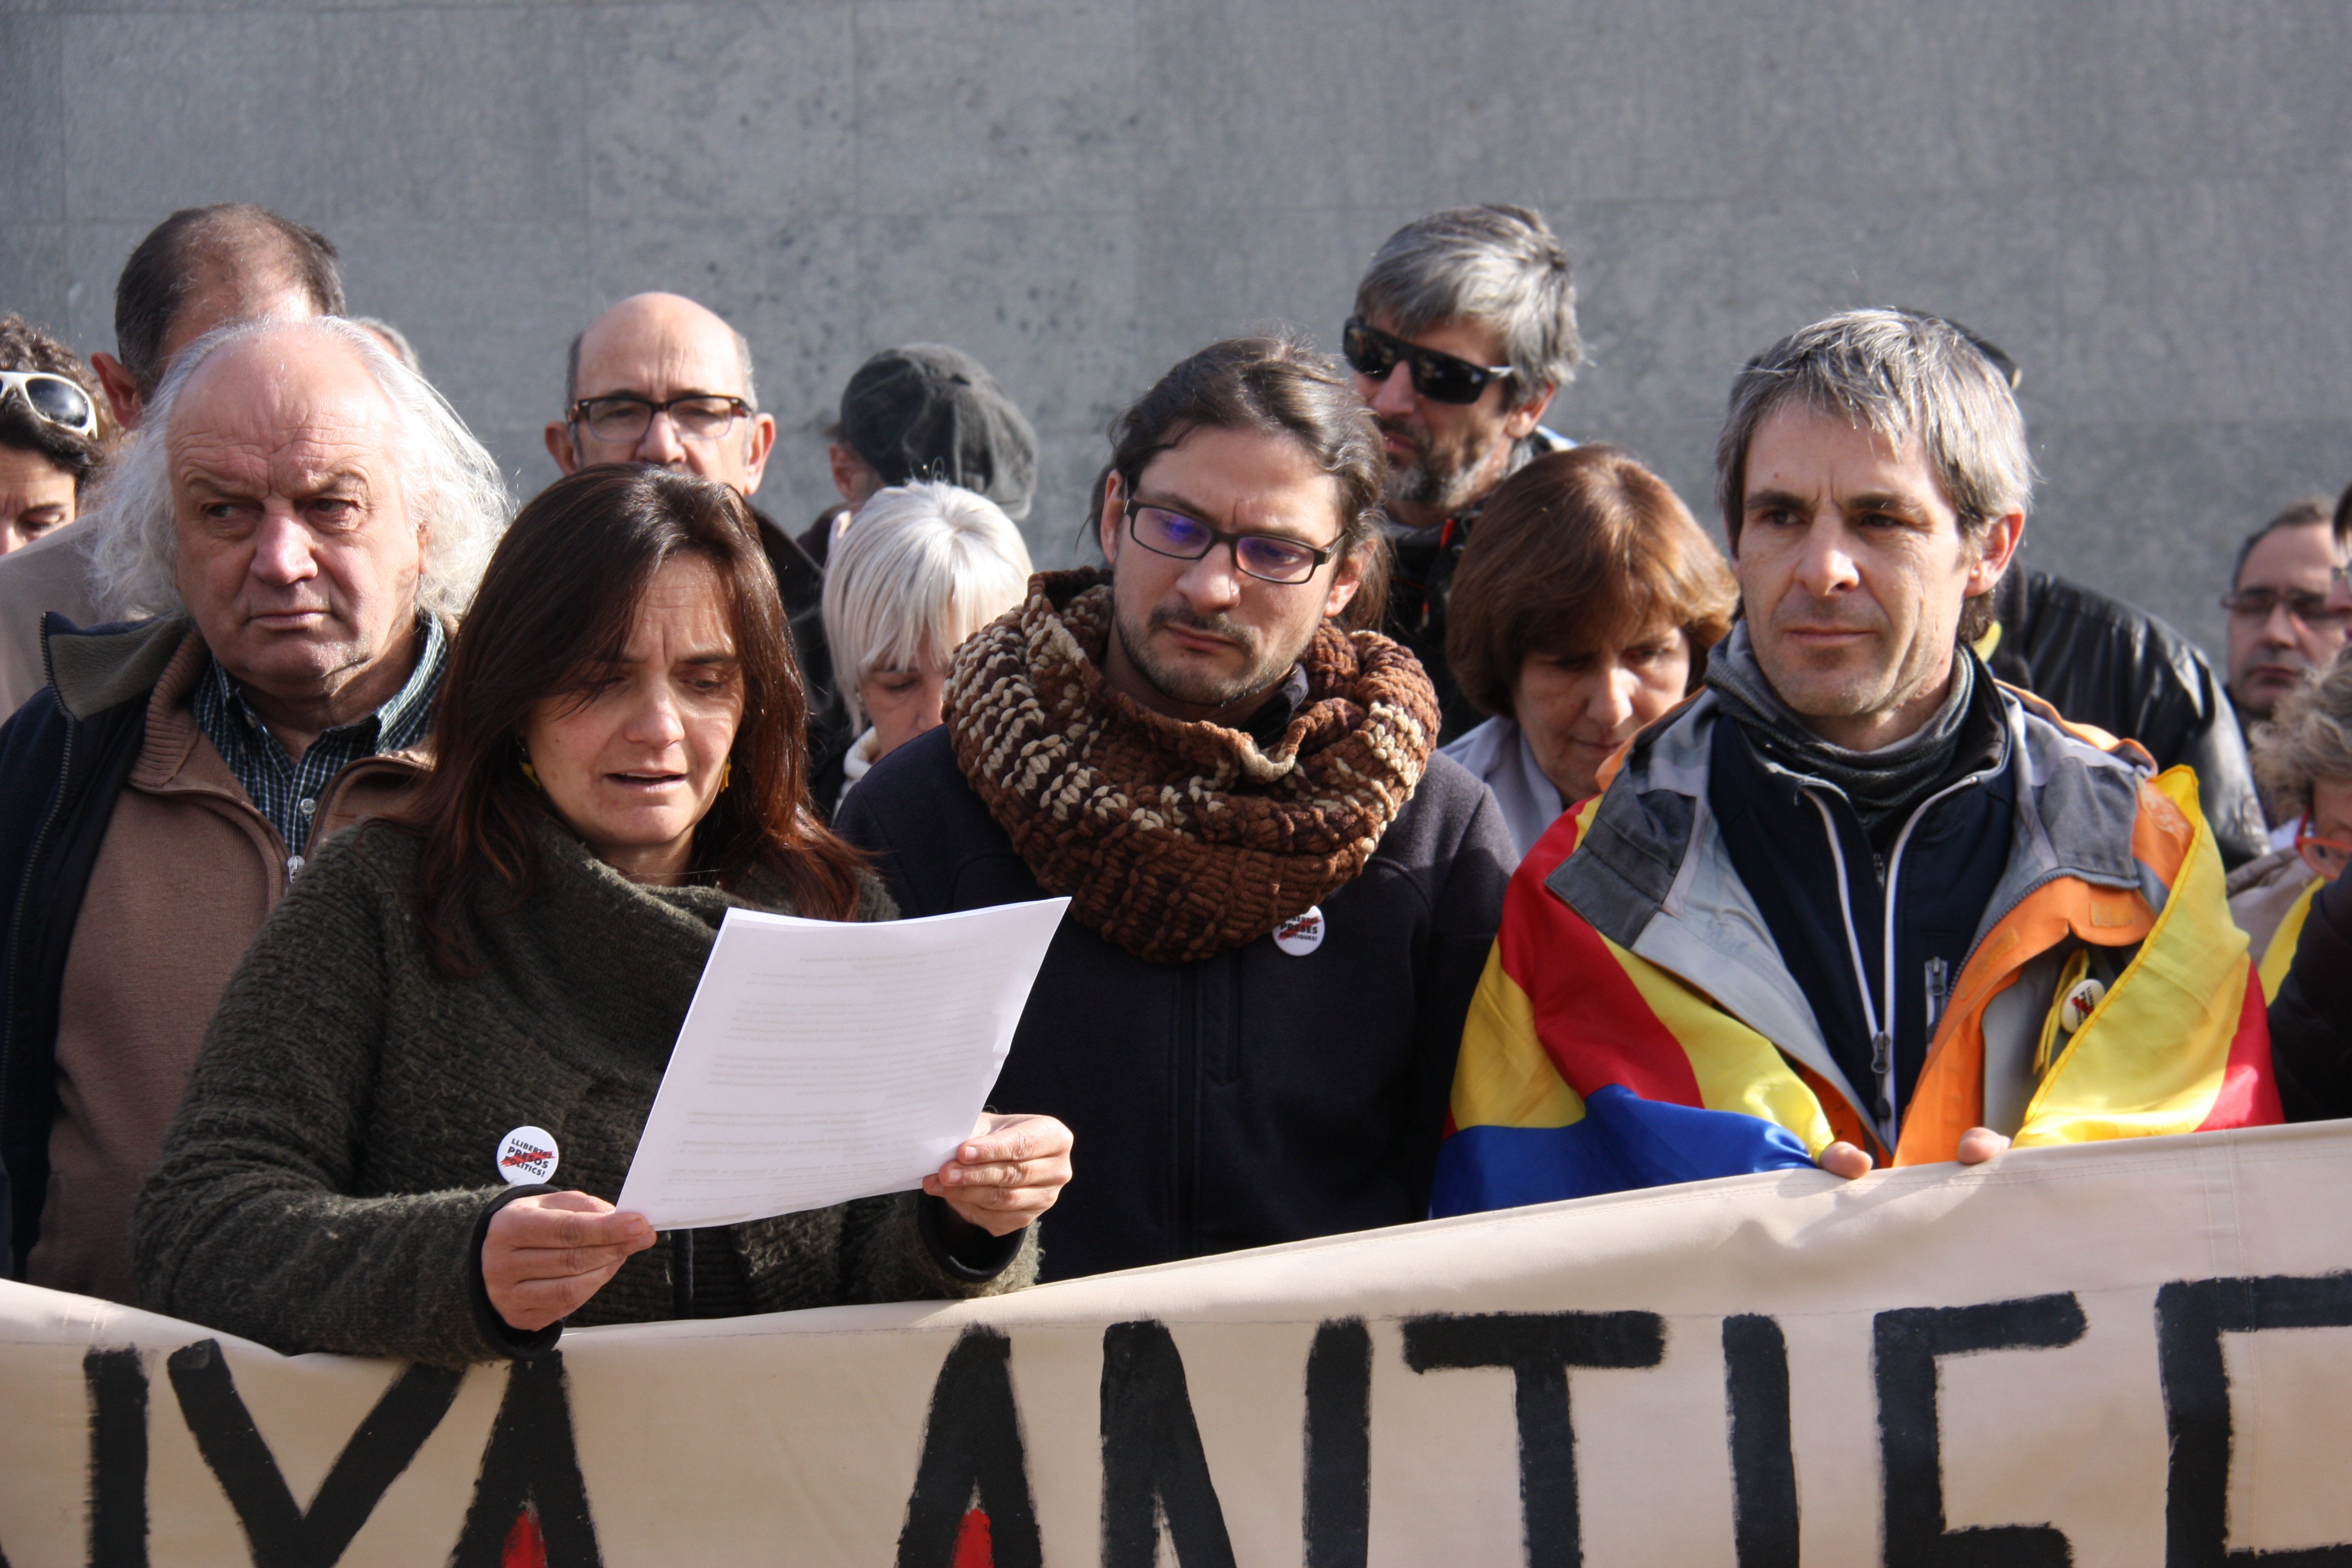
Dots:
(1009, 1172)
(1977, 1145)
(545, 1255)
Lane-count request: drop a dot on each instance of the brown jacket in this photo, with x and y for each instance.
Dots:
(187, 870)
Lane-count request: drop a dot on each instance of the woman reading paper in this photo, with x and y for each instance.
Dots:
(490, 988)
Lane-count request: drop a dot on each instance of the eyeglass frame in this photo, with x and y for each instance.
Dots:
(576, 415)
(1409, 355)
(2326, 604)
(2303, 836)
(14, 381)
(1322, 553)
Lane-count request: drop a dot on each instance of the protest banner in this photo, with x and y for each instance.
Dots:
(2130, 1353)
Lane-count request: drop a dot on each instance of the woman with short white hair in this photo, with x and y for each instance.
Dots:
(920, 568)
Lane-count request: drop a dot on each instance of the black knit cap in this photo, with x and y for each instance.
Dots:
(925, 411)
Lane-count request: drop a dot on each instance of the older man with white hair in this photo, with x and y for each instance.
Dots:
(298, 520)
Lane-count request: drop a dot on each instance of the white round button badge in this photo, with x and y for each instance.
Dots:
(526, 1154)
(2080, 1002)
(1302, 935)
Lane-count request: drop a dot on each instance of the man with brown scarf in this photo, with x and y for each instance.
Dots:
(1282, 897)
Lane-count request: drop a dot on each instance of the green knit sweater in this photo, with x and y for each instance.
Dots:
(323, 1186)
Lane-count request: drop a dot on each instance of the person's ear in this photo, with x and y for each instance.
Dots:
(1996, 545)
(1114, 511)
(121, 389)
(763, 441)
(1345, 580)
(1520, 422)
(560, 448)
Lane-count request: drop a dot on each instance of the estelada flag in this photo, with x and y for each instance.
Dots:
(1586, 1069)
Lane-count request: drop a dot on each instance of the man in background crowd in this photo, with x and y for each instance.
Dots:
(660, 379)
(923, 414)
(2113, 666)
(53, 433)
(1464, 328)
(1857, 902)
(2284, 623)
(200, 269)
(1281, 897)
(302, 524)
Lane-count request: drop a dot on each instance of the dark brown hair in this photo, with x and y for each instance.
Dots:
(1575, 549)
(24, 346)
(1274, 387)
(196, 243)
(560, 598)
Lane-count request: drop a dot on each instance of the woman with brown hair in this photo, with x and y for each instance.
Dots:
(1582, 611)
(620, 760)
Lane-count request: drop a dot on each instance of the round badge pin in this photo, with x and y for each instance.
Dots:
(526, 1154)
(1302, 934)
(2080, 1003)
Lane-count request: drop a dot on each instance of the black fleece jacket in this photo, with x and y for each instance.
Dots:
(1253, 1098)
(2311, 1016)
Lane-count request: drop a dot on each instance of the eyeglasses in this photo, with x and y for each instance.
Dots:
(53, 398)
(1438, 377)
(1268, 557)
(2317, 611)
(2328, 856)
(625, 417)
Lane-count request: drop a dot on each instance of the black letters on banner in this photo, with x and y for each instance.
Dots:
(117, 1381)
(530, 1462)
(1763, 1464)
(1153, 1469)
(1539, 1348)
(973, 1452)
(283, 1535)
(1906, 1343)
(2191, 1316)
(1339, 1445)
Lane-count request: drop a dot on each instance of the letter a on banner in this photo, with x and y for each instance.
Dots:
(1153, 1467)
(970, 1507)
(530, 1507)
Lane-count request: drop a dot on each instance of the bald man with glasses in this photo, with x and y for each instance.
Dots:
(660, 379)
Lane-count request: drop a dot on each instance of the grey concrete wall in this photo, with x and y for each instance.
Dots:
(2150, 206)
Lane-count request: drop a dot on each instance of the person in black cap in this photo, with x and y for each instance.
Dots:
(925, 412)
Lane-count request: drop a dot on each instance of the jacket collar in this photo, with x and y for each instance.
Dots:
(105, 666)
(1651, 873)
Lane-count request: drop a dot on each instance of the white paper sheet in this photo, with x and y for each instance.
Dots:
(822, 1060)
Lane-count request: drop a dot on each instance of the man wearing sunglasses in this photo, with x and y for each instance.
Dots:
(1281, 897)
(1465, 327)
(661, 379)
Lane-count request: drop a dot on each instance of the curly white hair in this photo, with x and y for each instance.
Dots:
(449, 481)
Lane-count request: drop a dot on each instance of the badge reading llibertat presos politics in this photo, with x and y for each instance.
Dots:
(526, 1154)
(1302, 934)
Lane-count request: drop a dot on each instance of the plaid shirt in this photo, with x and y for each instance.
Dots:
(287, 792)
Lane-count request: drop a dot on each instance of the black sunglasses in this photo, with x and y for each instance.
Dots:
(1438, 377)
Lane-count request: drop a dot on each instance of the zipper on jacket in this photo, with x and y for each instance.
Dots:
(1880, 1023)
(1187, 1113)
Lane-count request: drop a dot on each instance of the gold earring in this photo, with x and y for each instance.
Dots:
(530, 772)
(727, 774)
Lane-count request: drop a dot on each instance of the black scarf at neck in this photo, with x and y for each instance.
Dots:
(1883, 786)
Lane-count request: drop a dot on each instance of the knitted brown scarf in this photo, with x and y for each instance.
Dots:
(1179, 841)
